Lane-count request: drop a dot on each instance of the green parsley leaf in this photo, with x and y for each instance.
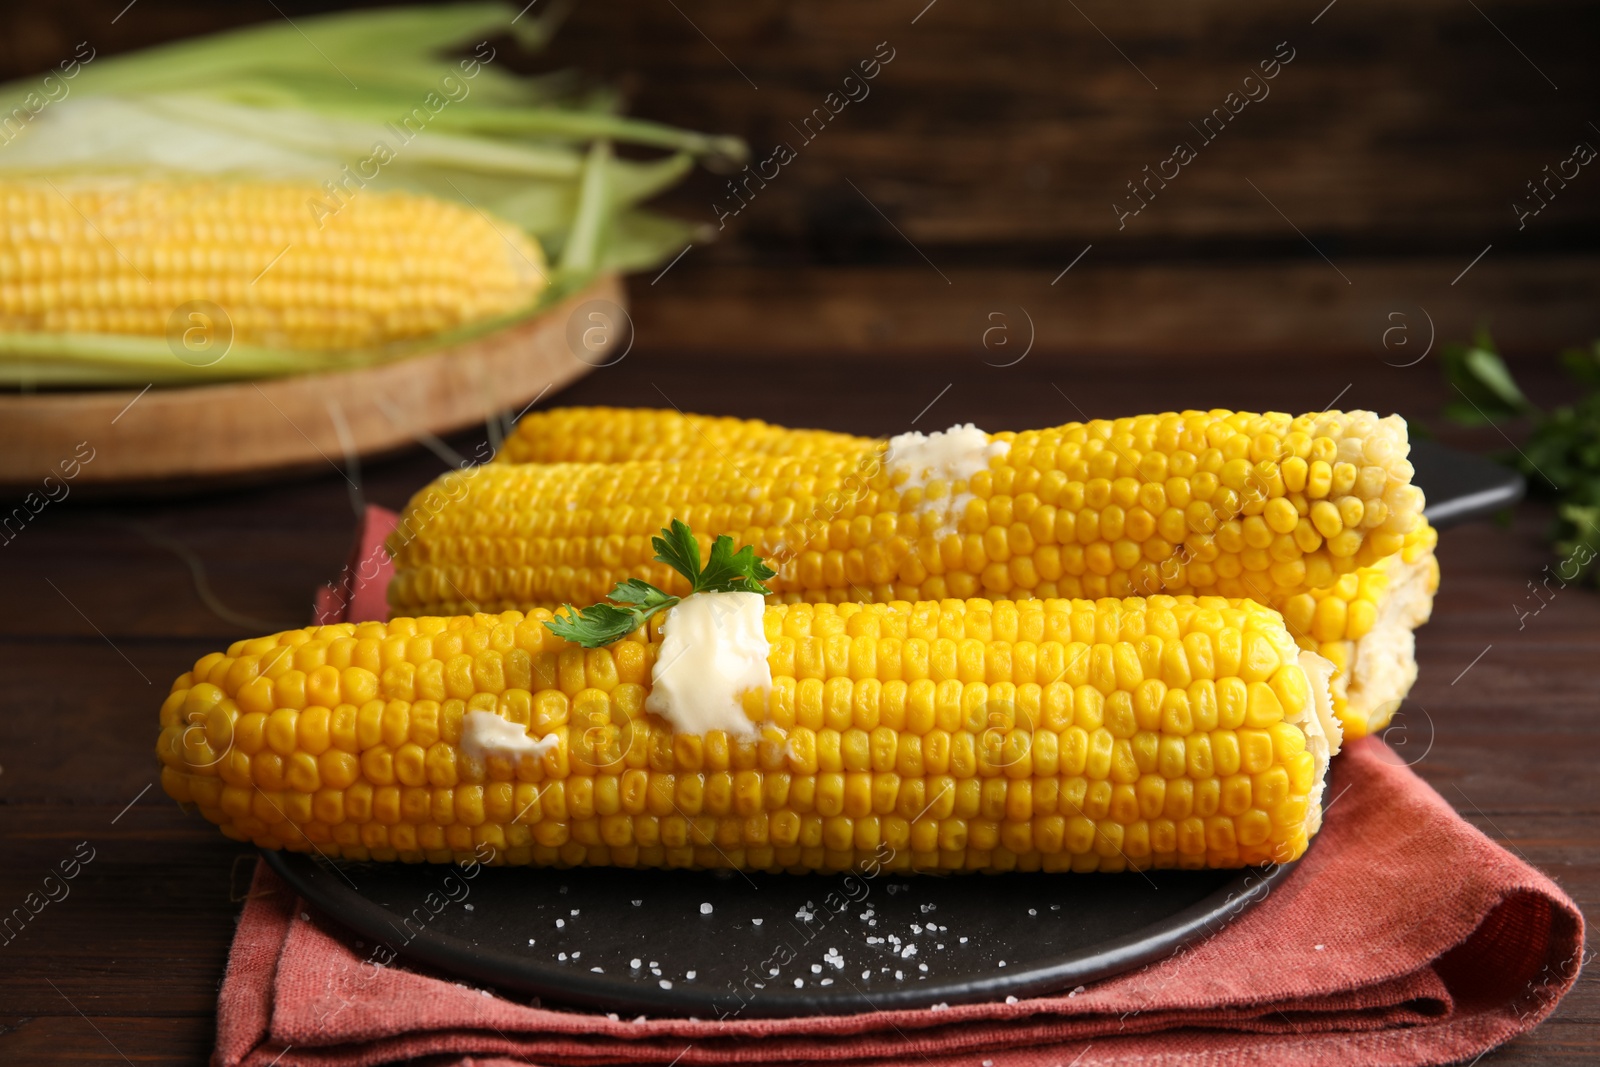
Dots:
(1486, 391)
(676, 547)
(1560, 455)
(634, 600)
(641, 593)
(598, 624)
(728, 571)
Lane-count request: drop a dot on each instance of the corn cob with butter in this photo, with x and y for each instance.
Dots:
(1233, 504)
(291, 265)
(963, 735)
(1362, 623)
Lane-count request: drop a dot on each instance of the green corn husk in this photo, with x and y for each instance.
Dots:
(302, 101)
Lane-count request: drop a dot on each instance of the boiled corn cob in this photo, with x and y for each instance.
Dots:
(291, 264)
(963, 735)
(616, 435)
(1225, 503)
(1363, 624)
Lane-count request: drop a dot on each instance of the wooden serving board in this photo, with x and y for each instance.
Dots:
(172, 438)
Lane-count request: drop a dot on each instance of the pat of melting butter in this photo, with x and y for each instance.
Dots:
(484, 734)
(952, 456)
(713, 651)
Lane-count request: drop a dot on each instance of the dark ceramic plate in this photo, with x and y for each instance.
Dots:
(716, 944)
(784, 945)
(1461, 486)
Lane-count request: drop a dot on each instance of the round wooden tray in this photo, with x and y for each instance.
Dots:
(189, 436)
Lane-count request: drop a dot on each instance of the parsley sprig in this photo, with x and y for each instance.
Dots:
(1562, 447)
(633, 601)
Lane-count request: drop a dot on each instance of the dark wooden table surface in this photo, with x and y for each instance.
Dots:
(107, 601)
(855, 292)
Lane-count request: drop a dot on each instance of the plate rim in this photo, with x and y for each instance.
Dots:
(567, 988)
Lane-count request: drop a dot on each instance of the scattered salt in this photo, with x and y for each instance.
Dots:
(560, 923)
(666, 984)
(636, 963)
(705, 909)
(799, 982)
(755, 922)
(1011, 1000)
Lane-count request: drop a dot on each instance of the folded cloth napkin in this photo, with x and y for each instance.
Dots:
(1403, 937)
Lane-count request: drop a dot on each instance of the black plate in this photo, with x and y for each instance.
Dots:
(1461, 486)
(980, 937)
(1017, 934)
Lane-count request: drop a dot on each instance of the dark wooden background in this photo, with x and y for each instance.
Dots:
(853, 293)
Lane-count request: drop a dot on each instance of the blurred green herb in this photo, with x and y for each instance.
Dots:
(1560, 458)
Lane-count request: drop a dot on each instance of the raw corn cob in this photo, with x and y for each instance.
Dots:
(291, 265)
(616, 435)
(1363, 624)
(1225, 503)
(962, 735)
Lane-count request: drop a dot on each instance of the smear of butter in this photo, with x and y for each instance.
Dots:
(951, 456)
(1321, 726)
(713, 651)
(484, 734)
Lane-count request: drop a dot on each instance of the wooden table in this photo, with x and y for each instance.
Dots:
(107, 602)
(986, 161)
